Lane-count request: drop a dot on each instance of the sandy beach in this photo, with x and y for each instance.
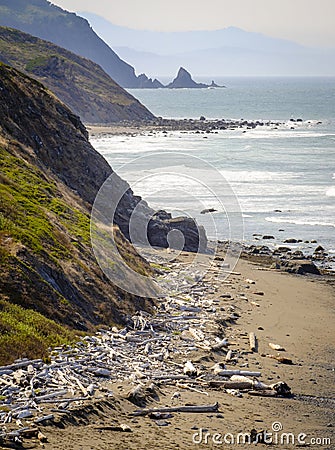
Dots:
(293, 311)
(296, 312)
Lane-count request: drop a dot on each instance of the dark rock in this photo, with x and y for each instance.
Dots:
(184, 80)
(283, 249)
(301, 267)
(209, 210)
(181, 233)
(298, 254)
(148, 83)
(291, 241)
(268, 237)
(319, 249)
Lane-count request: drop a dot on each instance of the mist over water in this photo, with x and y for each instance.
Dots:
(284, 178)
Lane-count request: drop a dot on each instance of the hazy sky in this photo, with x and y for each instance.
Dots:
(304, 21)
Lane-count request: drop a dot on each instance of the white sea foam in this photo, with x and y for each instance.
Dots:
(300, 221)
(330, 192)
(278, 133)
(255, 176)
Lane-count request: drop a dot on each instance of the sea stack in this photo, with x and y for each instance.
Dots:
(184, 80)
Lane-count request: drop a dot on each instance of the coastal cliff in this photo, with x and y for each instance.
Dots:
(50, 175)
(47, 21)
(83, 85)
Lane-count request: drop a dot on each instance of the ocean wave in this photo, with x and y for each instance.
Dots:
(299, 221)
(257, 175)
(330, 192)
(279, 133)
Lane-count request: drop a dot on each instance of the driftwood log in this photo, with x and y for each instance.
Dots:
(184, 409)
(252, 342)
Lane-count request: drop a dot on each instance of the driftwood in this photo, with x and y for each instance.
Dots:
(281, 359)
(240, 382)
(231, 272)
(276, 347)
(141, 352)
(190, 388)
(122, 427)
(184, 409)
(243, 385)
(252, 342)
(229, 373)
(220, 344)
(270, 393)
(44, 418)
(229, 355)
(189, 369)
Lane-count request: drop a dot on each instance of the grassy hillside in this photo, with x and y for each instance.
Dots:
(51, 287)
(77, 81)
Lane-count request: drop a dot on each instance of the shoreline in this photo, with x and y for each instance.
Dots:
(202, 125)
(293, 311)
(282, 251)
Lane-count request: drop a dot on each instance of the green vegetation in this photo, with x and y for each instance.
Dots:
(34, 215)
(38, 62)
(26, 333)
(160, 267)
(29, 202)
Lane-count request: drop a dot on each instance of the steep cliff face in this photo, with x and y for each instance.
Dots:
(49, 176)
(44, 20)
(37, 121)
(77, 81)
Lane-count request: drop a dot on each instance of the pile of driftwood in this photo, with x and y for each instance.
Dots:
(149, 351)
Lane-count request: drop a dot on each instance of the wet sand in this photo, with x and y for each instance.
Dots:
(296, 312)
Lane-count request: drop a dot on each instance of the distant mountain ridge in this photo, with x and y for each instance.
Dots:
(42, 19)
(78, 82)
(227, 52)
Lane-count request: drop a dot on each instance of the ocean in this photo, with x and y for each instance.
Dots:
(276, 180)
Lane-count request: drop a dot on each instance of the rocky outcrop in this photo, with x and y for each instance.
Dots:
(78, 82)
(184, 80)
(300, 266)
(50, 22)
(147, 83)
